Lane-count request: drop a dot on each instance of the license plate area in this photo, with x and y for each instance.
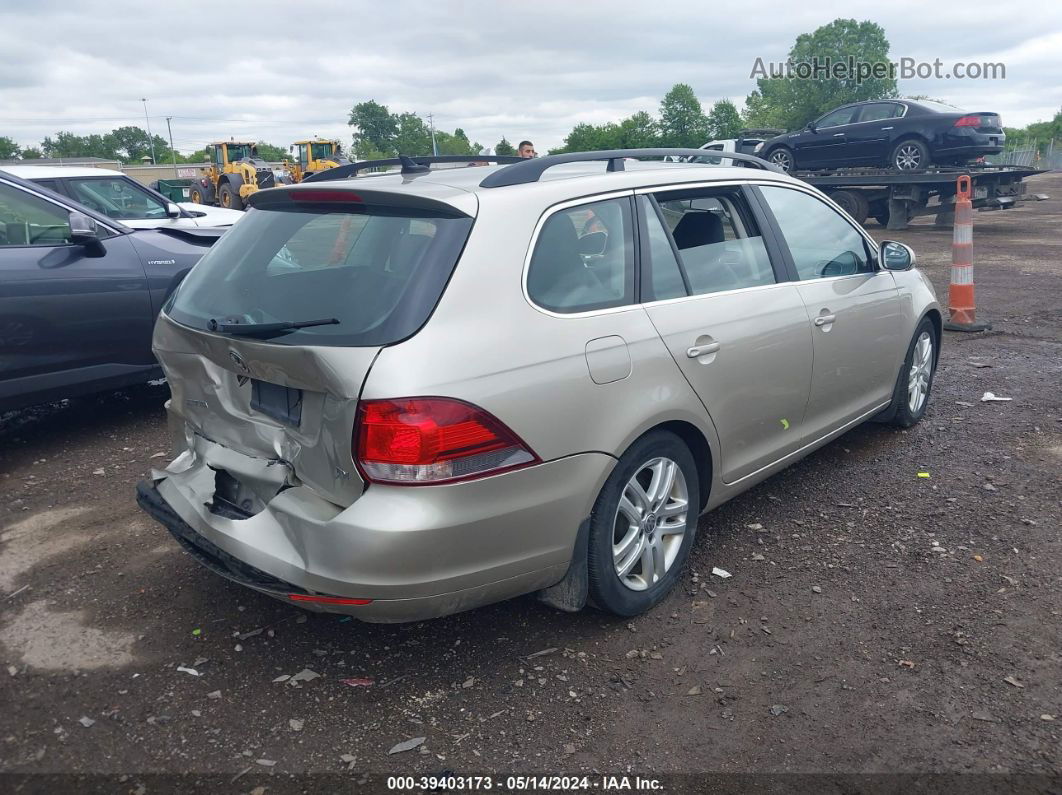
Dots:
(282, 403)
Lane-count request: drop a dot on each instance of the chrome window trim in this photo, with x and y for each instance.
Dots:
(878, 121)
(548, 213)
(731, 182)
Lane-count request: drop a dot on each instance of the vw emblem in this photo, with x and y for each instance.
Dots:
(237, 360)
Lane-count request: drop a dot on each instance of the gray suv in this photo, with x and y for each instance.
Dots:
(404, 395)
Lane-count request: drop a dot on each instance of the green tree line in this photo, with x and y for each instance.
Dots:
(379, 133)
(126, 144)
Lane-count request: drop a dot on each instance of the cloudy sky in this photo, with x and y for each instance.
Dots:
(278, 71)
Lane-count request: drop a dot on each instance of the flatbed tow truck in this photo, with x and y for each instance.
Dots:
(893, 198)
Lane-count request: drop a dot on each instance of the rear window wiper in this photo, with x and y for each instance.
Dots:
(254, 329)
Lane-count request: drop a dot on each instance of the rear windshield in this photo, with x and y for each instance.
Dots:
(378, 271)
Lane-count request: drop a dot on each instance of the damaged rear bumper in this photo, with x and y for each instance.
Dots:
(412, 553)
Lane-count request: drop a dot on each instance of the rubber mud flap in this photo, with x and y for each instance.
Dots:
(570, 594)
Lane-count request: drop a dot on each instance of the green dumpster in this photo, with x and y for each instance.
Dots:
(176, 190)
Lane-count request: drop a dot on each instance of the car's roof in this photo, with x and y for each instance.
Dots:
(44, 172)
(563, 181)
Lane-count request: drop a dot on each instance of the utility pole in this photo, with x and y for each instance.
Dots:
(431, 125)
(173, 151)
(151, 141)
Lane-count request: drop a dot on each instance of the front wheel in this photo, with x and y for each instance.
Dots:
(910, 397)
(783, 158)
(643, 525)
(229, 197)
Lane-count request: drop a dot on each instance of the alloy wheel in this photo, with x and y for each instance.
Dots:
(908, 158)
(650, 523)
(781, 159)
(921, 371)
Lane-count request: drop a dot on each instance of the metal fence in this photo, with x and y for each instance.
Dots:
(1046, 154)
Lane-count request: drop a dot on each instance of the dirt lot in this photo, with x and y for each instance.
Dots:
(876, 621)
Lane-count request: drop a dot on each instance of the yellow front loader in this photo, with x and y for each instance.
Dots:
(235, 173)
(312, 156)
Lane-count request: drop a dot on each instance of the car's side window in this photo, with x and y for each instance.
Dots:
(838, 117)
(665, 275)
(116, 197)
(26, 220)
(820, 240)
(584, 258)
(879, 111)
(718, 243)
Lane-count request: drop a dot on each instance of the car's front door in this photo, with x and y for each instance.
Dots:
(825, 146)
(868, 138)
(852, 304)
(65, 306)
(739, 334)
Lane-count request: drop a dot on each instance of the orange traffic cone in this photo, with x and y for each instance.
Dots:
(961, 301)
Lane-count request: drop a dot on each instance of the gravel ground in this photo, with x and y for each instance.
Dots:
(876, 621)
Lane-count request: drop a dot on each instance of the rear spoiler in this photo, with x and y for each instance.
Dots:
(197, 235)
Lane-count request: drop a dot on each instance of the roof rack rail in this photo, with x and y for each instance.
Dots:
(530, 170)
(410, 165)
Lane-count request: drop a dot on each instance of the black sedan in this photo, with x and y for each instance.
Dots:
(900, 134)
(79, 293)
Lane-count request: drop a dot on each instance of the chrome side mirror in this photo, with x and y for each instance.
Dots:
(896, 256)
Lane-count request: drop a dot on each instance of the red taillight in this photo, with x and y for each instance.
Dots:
(968, 121)
(313, 195)
(327, 600)
(420, 441)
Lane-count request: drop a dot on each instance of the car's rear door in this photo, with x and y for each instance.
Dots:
(65, 307)
(735, 326)
(853, 307)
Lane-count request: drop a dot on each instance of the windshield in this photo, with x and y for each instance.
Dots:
(116, 197)
(239, 152)
(321, 151)
(377, 270)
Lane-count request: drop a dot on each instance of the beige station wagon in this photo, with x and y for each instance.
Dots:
(404, 395)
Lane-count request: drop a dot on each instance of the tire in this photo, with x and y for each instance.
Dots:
(910, 156)
(904, 411)
(782, 156)
(229, 198)
(645, 551)
(197, 194)
(852, 202)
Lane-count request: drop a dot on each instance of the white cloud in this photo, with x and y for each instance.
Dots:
(279, 71)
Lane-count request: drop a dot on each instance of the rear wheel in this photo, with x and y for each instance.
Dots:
(910, 396)
(643, 525)
(910, 155)
(781, 157)
(229, 197)
(197, 194)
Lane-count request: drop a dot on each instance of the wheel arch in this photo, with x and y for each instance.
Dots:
(911, 135)
(935, 317)
(695, 440)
